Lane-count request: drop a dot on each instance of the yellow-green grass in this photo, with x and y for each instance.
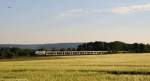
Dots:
(116, 67)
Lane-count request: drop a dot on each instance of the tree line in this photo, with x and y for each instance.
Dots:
(15, 52)
(111, 47)
(114, 47)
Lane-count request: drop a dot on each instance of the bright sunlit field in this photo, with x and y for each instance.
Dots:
(116, 67)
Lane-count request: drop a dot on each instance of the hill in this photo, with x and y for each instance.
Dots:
(37, 46)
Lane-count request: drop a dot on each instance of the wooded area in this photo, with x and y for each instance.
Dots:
(114, 47)
(111, 47)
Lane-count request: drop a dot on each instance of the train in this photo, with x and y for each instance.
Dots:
(67, 53)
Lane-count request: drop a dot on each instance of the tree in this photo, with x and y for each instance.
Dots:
(15, 52)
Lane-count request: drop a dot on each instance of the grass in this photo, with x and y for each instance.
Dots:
(116, 67)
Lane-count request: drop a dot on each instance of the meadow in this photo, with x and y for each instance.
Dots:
(115, 67)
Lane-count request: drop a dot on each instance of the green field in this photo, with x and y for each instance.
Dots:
(116, 67)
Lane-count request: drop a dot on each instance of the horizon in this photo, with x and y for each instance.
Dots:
(71, 21)
(67, 43)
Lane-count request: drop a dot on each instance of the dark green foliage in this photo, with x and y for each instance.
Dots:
(67, 49)
(15, 52)
(57, 49)
(43, 49)
(114, 47)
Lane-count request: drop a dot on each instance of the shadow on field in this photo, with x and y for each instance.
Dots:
(118, 72)
(115, 72)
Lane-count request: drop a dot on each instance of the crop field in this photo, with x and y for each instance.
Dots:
(115, 67)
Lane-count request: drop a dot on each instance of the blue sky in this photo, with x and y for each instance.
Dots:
(53, 21)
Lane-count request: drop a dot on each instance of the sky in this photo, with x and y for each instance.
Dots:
(60, 21)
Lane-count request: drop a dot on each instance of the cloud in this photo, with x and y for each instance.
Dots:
(80, 12)
(131, 9)
(74, 12)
